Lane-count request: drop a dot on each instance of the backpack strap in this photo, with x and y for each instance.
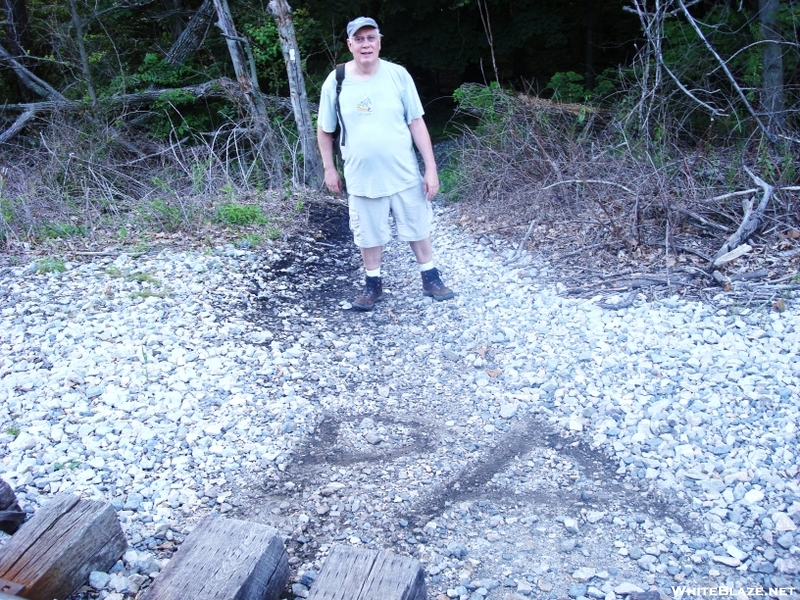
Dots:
(339, 80)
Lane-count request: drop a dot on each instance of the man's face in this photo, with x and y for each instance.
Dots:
(365, 44)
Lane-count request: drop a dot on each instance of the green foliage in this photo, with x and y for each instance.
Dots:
(251, 240)
(50, 265)
(266, 45)
(156, 72)
(452, 179)
(6, 215)
(240, 215)
(488, 103)
(12, 431)
(148, 293)
(735, 35)
(144, 278)
(71, 465)
(482, 98)
(62, 230)
(161, 214)
(6, 210)
(568, 87)
(177, 110)
(199, 169)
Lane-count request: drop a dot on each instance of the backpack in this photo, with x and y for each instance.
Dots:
(339, 134)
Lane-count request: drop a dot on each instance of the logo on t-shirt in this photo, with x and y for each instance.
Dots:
(364, 107)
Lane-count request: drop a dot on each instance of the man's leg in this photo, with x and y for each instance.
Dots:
(373, 292)
(372, 257)
(369, 221)
(422, 250)
(431, 281)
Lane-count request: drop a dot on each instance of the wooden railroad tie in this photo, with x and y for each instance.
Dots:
(225, 559)
(52, 554)
(358, 574)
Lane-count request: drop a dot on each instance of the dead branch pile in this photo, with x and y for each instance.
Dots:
(76, 178)
(615, 213)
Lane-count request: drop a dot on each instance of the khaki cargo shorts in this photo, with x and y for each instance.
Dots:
(369, 217)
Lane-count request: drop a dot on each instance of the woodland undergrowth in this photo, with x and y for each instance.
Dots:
(621, 205)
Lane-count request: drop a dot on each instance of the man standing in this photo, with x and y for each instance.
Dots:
(381, 115)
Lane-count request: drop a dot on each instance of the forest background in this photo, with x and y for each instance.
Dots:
(621, 136)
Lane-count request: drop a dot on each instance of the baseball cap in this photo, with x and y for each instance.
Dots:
(358, 23)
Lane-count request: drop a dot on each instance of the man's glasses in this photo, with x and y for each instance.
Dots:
(360, 39)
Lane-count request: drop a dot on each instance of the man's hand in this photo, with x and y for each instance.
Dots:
(430, 183)
(422, 139)
(333, 181)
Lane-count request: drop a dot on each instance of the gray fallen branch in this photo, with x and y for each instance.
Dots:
(222, 88)
(750, 275)
(518, 252)
(600, 181)
(633, 283)
(751, 221)
(705, 221)
(17, 125)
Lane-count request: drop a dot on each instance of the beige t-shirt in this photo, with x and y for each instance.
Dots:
(379, 157)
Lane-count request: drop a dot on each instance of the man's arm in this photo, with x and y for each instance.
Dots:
(332, 180)
(422, 139)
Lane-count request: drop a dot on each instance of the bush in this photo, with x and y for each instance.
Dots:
(233, 213)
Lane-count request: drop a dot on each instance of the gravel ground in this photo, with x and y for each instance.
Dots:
(519, 444)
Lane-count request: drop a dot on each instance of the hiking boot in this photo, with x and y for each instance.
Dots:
(372, 294)
(433, 287)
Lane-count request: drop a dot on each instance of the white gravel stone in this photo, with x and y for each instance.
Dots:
(167, 406)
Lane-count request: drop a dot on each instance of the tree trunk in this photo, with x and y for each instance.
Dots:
(18, 35)
(591, 33)
(17, 30)
(191, 38)
(772, 93)
(246, 81)
(312, 164)
(174, 10)
(76, 21)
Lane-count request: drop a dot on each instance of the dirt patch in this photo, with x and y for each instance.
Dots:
(338, 442)
(392, 463)
(591, 483)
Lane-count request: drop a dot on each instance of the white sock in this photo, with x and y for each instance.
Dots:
(374, 273)
(426, 267)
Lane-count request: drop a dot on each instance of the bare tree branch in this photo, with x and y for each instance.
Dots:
(727, 71)
(612, 183)
(17, 125)
(31, 81)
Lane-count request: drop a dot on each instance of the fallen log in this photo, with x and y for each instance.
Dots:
(225, 559)
(53, 553)
(359, 574)
(751, 220)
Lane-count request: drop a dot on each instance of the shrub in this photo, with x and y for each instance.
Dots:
(50, 265)
(233, 213)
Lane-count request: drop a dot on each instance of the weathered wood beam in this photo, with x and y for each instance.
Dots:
(225, 559)
(359, 574)
(53, 553)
